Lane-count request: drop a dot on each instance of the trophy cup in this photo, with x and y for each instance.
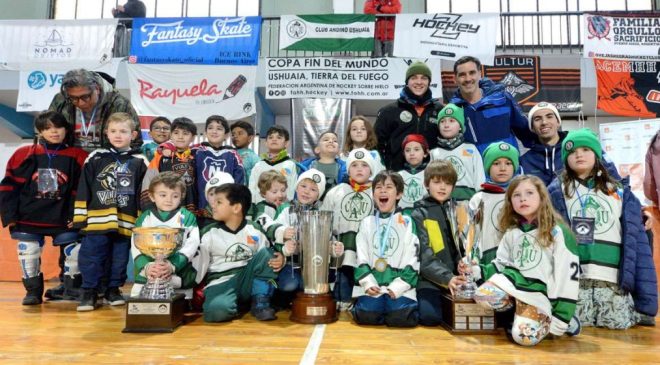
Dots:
(157, 309)
(315, 304)
(461, 314)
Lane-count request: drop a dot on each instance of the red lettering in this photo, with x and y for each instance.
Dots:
(202, 89)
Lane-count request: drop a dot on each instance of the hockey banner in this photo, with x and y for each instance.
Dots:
(446, 36)
(351, 78)
(528, 82)
(312, 117)
(215, 41)
(56, 42)
(193, 91)
(622, 37)
(327, 33)
(38, 86)
(628, 88)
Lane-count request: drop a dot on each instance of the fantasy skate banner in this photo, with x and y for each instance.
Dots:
(628, 88)
(626, 144)
(529, 83)
(351, 78)
(194, 91)
(622, 37)
(312, 117)
(61, 43)
(327, 33)
(215, 41)
(37, 86)
(446, 36)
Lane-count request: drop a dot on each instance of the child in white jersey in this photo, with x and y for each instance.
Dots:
(415, 150)
(351, 203)
(387, 260)
(617, 274)
(463, 156)
(536, 268)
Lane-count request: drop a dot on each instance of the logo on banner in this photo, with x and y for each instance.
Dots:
(520, 75)
(599, 27)
(212, 166)
(296, 29)
(36, 80)
(175, 32)
(53, 47)
(446, 25)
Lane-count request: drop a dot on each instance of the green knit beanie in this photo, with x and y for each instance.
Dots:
(497, 150)
(584, 137)
(453, 111)
(417, 68)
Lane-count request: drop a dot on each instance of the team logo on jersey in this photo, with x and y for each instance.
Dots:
(355, 206)
(107, 177)
(238, 252)
(210, 166)
(528, 254)
(458, 166)
(495, 215)
(390, 244)
(597, 208)
(413, 191)
(185, 170)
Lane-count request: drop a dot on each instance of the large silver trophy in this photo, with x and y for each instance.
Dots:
(158, 308)
(315, 304)
(469, 222)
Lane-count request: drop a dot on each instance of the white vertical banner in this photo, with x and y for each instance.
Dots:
(626, 144)
(37, 86)
(193, 91)
(447, 36)
(25, 42)
(312, 117)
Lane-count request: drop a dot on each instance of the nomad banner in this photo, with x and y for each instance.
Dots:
(329, 33)
(194, 91)
(628, 88)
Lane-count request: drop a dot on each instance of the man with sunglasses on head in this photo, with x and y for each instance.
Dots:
(86, 99)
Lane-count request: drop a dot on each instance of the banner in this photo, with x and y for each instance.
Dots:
(627, 37)
(626, 144)
(38, 86)
(311, 117)
(331, 32)
(59, 42)
(628, 88)
(195, 91)
(353, 78)
(216, 41)
(446, 36)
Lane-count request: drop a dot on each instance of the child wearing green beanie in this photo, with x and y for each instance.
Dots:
(464, 157)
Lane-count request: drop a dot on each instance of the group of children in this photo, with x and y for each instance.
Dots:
(396, 238)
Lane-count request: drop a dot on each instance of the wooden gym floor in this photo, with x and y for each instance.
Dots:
(54, 333)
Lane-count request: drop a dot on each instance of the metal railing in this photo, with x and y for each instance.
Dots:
(549, 32)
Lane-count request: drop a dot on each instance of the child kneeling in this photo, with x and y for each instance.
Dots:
(241, 266)
(387, 262)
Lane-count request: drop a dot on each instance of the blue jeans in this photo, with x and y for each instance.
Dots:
(289, 279)
(399, 312)
(99, 250)
(343, 290)
(430, 306)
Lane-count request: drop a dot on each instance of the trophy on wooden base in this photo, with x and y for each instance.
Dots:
(158, 308)
(315, 304)
(461, 314)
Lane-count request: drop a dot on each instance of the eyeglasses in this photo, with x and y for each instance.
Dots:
(84, 98)
(162, 129)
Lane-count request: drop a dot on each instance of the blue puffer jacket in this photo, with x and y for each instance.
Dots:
(545, 161)
(636, 269)
(496, 117)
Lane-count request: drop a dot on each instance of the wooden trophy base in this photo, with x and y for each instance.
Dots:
(154, 315)
(463, 316)
(313, 309)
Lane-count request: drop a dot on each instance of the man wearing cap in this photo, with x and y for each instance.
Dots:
(544, 156)
(491, 113)
(413, 113)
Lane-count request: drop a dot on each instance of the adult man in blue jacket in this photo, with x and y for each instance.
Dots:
(491, 113)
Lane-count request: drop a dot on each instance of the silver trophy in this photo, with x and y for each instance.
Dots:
(157, 243)
(469, 231)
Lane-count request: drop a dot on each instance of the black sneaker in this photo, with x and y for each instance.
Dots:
(56, 293)
(114, 296)
(87, 300)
